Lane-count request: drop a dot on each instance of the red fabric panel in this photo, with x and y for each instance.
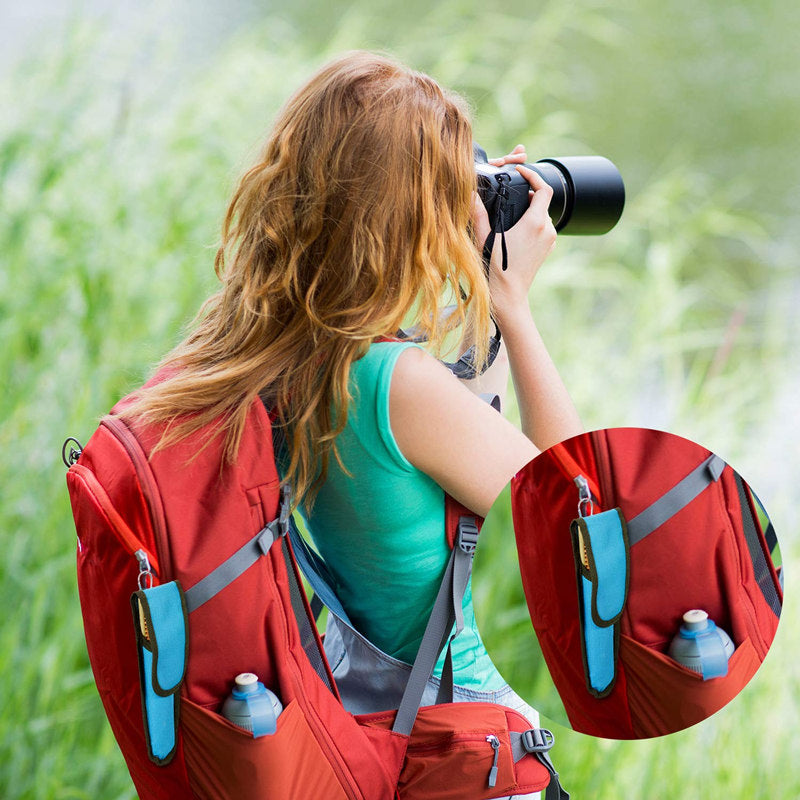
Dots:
(665, 696)
(220, 756)
(453, 511)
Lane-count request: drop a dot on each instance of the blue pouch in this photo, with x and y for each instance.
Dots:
(160, 620)
(602, 558)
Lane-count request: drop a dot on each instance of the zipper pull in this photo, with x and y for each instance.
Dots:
(145, 573)
(585, 509)
(585, 505)
(495, 743)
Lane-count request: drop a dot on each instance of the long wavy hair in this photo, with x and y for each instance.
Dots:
(354, 220)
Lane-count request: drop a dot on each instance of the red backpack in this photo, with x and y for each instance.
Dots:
(636, 527)
(204, 552)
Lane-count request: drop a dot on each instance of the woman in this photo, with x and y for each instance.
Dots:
(361, 216)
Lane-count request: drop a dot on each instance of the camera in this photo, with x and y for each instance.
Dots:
(588, 192)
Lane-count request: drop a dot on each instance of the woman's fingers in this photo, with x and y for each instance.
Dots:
(516, 156)
(542, 191)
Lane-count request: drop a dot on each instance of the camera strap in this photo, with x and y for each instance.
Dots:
(499, 226)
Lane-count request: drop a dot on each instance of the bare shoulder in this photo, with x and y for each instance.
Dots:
(416, 368)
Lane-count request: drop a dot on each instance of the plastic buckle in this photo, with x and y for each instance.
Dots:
(467, 537)
(537, 740)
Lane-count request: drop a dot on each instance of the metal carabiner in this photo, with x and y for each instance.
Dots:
(585, 504)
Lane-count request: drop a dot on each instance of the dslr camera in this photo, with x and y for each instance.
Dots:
(588, 192)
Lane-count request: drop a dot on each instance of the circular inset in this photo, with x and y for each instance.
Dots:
(651, 576)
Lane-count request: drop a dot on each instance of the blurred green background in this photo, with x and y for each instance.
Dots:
(122, 133)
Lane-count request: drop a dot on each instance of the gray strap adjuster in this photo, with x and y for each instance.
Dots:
(467, 536)
(537, 740)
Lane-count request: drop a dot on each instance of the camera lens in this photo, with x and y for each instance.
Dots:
(588, 193)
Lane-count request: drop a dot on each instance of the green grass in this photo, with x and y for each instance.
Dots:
(115, 169)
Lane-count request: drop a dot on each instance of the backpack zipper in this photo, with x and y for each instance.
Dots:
(571, 470)
(126, 438)
(491, 739)
(603, 460)
(125, 536)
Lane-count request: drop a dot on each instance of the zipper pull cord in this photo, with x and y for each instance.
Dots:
(495, 743)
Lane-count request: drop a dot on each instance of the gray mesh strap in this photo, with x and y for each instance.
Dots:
(308, 635)
(537, 742)
(761, 568)
(678, 497)
(228, 571)
(440, 623)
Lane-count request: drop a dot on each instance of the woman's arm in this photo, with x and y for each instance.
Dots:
(445, 430)
(452, 435)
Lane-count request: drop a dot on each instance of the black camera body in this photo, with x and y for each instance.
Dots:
(588, 192)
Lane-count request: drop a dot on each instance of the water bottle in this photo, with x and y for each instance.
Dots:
(701, 646)
(252, 706)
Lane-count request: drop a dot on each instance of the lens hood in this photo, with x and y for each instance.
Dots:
(592, 190)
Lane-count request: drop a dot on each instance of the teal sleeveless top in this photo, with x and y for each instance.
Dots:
(380, 530)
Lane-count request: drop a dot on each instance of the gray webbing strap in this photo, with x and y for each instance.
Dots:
(462, 568)
(440, 624)
(537, 742)
(433, 640)
(678, 497)
(228, 571)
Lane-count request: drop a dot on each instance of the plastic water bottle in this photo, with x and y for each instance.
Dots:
(252, 706)
(701, 646)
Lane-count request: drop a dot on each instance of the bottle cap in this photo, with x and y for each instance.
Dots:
(696, 619)
(246, 681)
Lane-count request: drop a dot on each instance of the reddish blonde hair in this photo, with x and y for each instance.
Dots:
(355, 216)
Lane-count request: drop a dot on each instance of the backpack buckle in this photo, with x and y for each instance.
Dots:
(467, 536)
(537, 740)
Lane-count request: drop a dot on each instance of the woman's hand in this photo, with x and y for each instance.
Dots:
(528, 244)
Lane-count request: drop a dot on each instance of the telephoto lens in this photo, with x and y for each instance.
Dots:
(588, 192)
